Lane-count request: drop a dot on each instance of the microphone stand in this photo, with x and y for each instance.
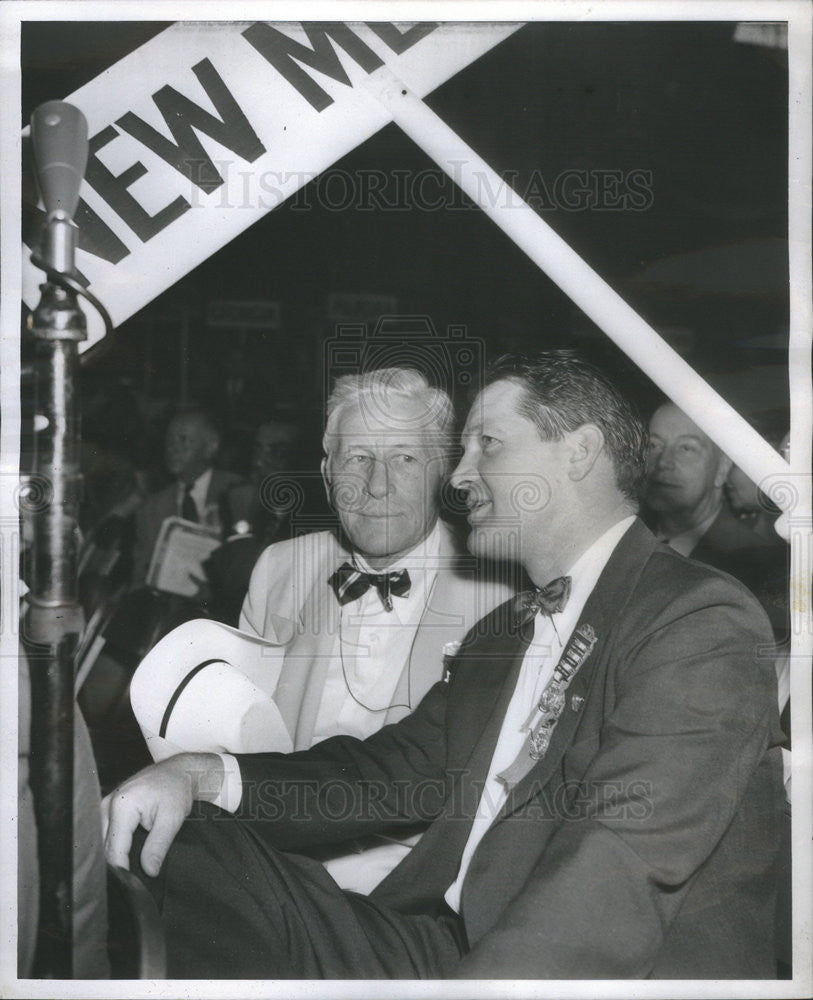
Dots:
(59, 137)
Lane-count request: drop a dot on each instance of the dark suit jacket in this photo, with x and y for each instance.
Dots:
(641, 845)
(161, 505)
(761, 565)
(229, 567)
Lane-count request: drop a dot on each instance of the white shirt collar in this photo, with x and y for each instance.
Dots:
(584, 574)
(200, 487)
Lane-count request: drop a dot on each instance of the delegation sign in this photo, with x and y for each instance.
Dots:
(206, 127)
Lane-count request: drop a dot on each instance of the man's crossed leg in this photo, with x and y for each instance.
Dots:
(235, 908)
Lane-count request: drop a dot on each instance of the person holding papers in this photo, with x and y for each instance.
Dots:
(192, 442)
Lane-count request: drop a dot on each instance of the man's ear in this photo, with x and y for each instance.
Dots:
(323, 468)
(586, 444)
(724, 464)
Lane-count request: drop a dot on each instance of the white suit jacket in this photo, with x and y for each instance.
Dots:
(290, 603)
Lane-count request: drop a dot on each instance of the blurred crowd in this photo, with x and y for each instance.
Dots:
(229, 469)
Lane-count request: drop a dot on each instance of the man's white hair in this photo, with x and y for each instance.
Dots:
(377, 390)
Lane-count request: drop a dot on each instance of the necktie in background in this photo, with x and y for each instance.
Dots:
(349, 583)
(189, 511)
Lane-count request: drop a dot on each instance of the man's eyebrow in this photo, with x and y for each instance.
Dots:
(370, 442)
(493, 427)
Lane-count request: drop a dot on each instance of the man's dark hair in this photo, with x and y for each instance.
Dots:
(562, 391)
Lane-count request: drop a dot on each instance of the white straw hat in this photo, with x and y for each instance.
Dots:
(207, 687)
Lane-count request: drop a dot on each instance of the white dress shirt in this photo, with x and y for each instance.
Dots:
(199, 492)
(551, 635)
(373, 647)
(368, 657)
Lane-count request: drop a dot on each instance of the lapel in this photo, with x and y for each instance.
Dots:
(602, 611)
(218, 484)
(708, 544)
(443, 621)
(491, 674)
(725, 536)
(167, 504)
(303, 673)
(214, 490)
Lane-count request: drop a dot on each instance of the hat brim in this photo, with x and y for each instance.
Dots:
(209, 687)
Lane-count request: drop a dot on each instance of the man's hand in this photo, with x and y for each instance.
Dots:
(159, 798)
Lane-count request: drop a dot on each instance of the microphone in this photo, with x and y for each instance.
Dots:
(59, 138)
(59, 141)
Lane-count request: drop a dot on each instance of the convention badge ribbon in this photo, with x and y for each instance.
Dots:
(542, 721)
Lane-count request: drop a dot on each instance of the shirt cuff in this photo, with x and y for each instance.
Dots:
(231, 791)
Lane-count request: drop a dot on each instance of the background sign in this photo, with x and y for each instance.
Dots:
(349, 306)
(253, 314)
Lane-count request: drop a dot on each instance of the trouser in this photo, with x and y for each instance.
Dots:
(234, 907)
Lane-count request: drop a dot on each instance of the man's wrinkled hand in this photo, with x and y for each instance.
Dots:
(159, 798)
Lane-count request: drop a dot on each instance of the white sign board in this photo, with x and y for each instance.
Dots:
(205, 128)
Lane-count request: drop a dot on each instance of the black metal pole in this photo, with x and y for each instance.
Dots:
(59, 135)
(55, 621)
(52, 783)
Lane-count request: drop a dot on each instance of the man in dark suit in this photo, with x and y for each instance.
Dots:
(686, 475)
(192, 442)
(600, 763)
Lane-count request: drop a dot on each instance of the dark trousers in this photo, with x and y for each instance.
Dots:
(235, 908)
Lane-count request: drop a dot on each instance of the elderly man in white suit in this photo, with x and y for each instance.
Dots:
(355, 656)
(358, 622)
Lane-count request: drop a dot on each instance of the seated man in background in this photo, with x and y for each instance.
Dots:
(192, 442)
(599, 763)
(142, 615)
(363, 618)
(686, 473)
(257, 521)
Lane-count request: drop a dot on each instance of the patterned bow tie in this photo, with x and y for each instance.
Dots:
(350, 583)
(549, 599)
